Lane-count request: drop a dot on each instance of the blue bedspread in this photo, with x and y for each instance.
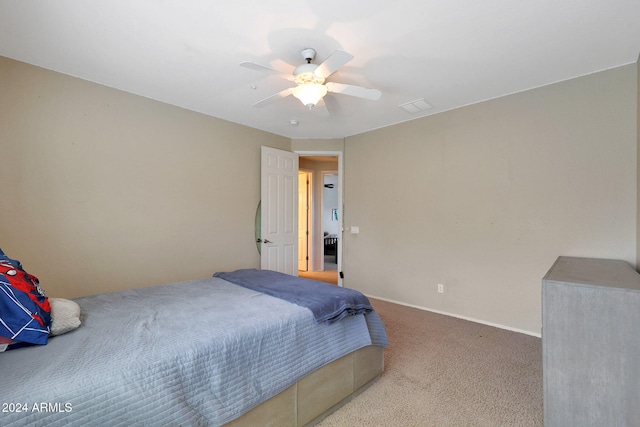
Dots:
(190, 354)
(328, 303)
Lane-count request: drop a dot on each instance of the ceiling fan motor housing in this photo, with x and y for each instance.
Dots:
(308, 54)
(303, 74)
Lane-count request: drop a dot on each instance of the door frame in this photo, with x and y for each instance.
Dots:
(339, 155)
(309, 217)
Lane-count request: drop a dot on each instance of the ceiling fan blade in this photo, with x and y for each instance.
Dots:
(262, 68)
(333, 63)
(351, 90)
(274, 97)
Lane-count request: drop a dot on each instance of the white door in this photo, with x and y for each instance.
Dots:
(279, 216)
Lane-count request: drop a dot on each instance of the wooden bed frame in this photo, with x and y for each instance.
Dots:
(320, 393)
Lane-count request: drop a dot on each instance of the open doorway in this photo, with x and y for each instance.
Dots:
(330, 220)
(325, 218)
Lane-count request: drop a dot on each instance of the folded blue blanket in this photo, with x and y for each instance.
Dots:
(328, 303)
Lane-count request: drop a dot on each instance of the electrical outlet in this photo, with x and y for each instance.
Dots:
(440, 288)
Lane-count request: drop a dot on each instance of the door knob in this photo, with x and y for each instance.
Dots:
(267, 241)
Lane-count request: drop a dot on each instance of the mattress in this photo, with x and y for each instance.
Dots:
(198, 353)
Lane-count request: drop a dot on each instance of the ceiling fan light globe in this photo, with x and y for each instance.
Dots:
(309, 94)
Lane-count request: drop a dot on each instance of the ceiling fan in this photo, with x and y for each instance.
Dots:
(310, 80)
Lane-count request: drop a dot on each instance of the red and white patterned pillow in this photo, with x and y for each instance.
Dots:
(25, 313)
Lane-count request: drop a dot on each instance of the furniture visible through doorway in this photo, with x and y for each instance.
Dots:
(331, 247)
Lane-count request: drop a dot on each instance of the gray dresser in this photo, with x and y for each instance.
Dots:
(591, 343)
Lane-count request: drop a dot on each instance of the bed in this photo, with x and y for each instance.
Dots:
(207, 352)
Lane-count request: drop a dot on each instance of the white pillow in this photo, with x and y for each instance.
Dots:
(65, 316)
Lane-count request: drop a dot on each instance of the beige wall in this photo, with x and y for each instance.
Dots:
(104, 190)
(484, 198)
(317, 145)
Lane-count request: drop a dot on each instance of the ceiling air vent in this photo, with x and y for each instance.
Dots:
(416, 106)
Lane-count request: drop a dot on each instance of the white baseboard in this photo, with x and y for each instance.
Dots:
(495, 325)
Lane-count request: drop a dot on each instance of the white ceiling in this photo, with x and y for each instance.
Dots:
(450, 52)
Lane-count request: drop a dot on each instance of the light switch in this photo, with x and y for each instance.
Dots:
(355, 230)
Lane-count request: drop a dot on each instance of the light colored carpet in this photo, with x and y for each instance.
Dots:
(444, 371)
